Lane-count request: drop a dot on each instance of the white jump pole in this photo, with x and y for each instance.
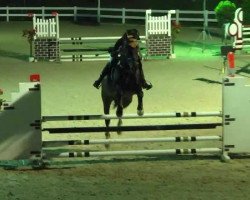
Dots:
(94, 38)
(83, 59)
(85, 56)
(142, 152)
(133, 116)
(131, 140)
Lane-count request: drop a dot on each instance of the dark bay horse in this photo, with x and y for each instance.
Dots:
(120, 86)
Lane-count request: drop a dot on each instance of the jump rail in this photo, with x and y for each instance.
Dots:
(130, 140)
(133, 128)
(133, 116)
(141, 152)
(94, 39)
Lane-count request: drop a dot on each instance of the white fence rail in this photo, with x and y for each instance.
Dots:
(104, 13)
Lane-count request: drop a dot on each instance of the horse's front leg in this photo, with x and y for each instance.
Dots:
(140, 110)
(119, 124)
(119, 110)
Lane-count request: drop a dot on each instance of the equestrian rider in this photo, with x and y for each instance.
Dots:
(131, 37)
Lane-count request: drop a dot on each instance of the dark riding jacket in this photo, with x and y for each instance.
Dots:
(119, 43)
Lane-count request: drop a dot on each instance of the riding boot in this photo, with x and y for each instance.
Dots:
(145, 85)
(104, 72)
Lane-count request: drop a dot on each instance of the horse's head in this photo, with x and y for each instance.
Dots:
(130, 48)
(128, 58)
(129, 55)
(130, 73)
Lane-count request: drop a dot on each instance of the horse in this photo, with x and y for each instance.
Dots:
(119, 87)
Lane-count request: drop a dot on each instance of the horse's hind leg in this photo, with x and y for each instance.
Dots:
(140, 110)
(107, 134)
(119, 124)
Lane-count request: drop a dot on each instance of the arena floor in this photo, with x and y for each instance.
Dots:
(191, 82)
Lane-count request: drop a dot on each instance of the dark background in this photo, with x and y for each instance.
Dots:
(143, 4)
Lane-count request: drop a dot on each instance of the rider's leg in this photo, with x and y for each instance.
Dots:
(105, 71)
(145, 85)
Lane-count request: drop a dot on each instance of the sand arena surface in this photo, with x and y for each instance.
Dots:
(191, 82)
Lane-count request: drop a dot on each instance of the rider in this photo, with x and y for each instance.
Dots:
(131, 36)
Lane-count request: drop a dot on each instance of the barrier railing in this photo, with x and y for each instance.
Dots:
(105, 13)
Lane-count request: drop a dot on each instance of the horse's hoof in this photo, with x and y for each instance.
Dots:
(119, 124)
(140, 112)
(107, 146)
(107, 134)
(119, 132)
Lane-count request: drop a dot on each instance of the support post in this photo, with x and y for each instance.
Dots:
(99, 11)
(177, 19)
(7, 14)
(43, 12)
(123, 15)
(75, 13)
